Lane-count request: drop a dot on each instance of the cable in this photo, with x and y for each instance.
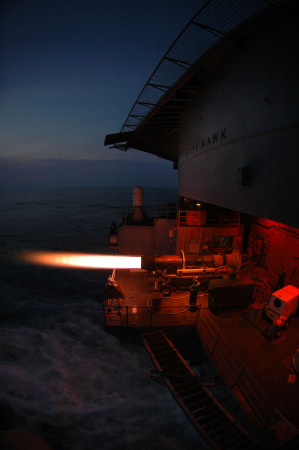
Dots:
(168, 314)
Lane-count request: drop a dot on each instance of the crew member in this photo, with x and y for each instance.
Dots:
(193, 293)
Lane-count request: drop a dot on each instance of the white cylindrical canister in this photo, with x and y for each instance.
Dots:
(138, 197)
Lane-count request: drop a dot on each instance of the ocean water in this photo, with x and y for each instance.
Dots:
(62, 375)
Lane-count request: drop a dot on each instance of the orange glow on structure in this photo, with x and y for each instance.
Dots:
(82, 260)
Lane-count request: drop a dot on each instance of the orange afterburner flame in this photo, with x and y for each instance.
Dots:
(82, 260)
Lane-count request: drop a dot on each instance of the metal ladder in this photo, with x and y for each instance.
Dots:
(214, 423)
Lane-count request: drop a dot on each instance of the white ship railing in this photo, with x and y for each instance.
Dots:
(148, 316)
(234, 372)
(165, 211)
(202, 218)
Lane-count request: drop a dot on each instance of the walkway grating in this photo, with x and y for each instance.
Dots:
(214, 422)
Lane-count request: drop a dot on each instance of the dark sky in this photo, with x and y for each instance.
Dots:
(70, 72)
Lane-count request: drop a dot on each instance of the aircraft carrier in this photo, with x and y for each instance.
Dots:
(222, 105)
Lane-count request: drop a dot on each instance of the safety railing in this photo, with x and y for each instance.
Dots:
(148, 316)
(214, 21)
(152, 212)
(240, 381)
(184, 217)
(202, 218)
(191, 218)
(233, 370)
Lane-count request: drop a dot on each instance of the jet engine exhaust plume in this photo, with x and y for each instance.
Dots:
(146, 262)
(82, 260)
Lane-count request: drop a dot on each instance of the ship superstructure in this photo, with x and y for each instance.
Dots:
(224, 259)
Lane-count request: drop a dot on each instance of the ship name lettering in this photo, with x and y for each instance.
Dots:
(214, 138)
(223, 134)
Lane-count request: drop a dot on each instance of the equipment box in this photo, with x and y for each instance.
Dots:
(226, 293)
(283, 302)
